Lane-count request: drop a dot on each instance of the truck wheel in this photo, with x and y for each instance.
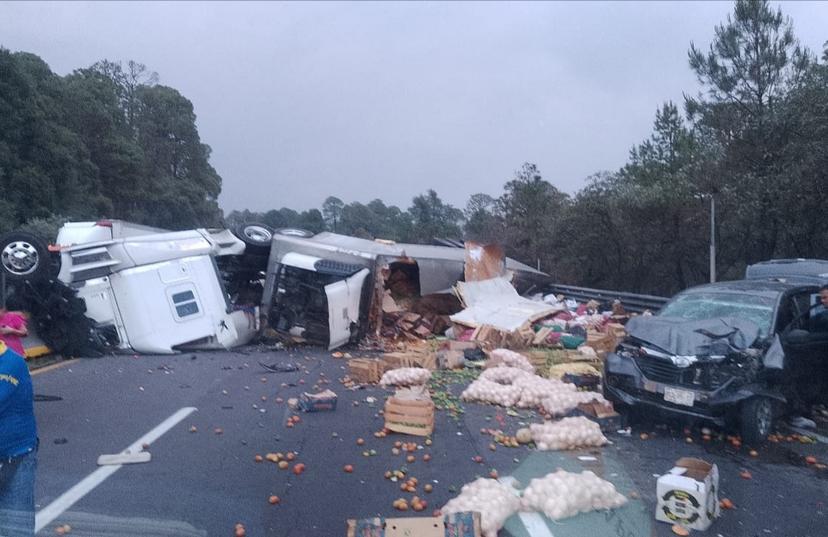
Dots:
(756, 420)
(256, 237)
(23, 256)
(295, 232)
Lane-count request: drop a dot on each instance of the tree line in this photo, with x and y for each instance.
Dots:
(104, 141)
(110, 141)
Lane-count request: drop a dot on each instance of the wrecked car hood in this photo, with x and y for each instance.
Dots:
(682, 337)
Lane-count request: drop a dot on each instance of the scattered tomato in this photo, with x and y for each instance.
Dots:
(348, 468)
(360, 441)
(725, 503)
(298, 468)
(810, 459)
(427, 457)
(273, 500)
(744, 474)
(680, 530)
(258, 458)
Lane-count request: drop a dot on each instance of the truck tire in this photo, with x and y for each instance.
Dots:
(256, 237)
(295, 232)
(756, 420)
(23, 256)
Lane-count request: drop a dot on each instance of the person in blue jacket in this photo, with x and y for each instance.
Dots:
(18, 446)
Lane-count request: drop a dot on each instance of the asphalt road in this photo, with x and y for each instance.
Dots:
(203, 483)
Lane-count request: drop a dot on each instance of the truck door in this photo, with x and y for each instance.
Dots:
(343, 307)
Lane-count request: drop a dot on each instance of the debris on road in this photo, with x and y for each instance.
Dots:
(318, 402)
(457, 524)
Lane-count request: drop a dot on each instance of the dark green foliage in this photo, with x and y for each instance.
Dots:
(100, 142)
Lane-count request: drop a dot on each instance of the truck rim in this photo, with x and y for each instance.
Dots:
(20, 258)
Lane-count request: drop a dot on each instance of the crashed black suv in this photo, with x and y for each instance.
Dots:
(733, 353)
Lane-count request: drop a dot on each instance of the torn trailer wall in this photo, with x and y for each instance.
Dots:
(294, 261)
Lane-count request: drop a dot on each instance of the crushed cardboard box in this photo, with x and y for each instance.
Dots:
(450, 525)
(318, 402)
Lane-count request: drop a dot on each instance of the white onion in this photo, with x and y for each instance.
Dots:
(568, 433)
(561, 402)
(494, 501)
(563, 494)
(405, 376)
(508, 358)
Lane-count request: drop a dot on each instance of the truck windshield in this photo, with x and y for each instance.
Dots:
(698, 306)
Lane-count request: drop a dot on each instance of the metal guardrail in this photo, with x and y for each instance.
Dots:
(631, 301)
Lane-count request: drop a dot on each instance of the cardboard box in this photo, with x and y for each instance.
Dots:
(451, 525)
(601, 413)
(616, 330)
(601, 342)
(454, 345)
(317, 402)
(410, 411)
(449, 359)
(688, 494)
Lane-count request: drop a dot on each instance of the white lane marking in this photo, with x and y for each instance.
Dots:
(534, 523)
(66, 500)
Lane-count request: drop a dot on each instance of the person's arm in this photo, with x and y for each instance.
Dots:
(8, 385)
(16, 327)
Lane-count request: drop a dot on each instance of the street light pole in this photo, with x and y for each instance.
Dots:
(712, 239)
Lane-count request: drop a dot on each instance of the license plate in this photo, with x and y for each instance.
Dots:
(679, 397)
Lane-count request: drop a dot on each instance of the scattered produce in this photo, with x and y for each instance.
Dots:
(273, 500)
(405, 376)
(563, 494)
(568, 433)
(680, 530)
(494, 500)
(508, 358)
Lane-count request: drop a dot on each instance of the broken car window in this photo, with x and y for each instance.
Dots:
(698, 306)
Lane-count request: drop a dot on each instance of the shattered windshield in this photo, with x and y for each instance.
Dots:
(699, 306)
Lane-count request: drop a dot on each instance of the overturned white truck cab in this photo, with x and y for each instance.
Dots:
(154, 291)
(329, 288)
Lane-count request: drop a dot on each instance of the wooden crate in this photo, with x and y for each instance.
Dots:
(410, 412)
(395, 360)
(365, 370)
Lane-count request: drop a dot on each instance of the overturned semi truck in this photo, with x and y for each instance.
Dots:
(329, 288)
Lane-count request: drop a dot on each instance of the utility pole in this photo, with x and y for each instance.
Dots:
(712, 238)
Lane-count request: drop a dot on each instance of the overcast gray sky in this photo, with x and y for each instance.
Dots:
(385, 100)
